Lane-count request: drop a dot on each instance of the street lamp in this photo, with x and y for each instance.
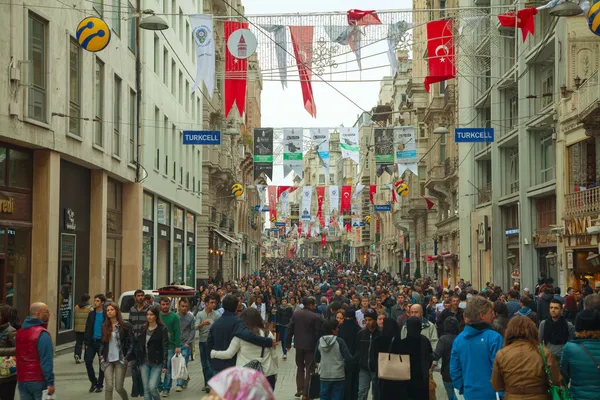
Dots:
(566, 9)
(593, 259)
(154, 23)
(440, 130)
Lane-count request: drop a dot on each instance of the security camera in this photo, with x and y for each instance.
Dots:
(556, 229)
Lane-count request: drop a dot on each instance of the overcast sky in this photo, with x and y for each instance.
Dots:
(286, 109)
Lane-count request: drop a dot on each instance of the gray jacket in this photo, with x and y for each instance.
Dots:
(188, 328)
(331, 353)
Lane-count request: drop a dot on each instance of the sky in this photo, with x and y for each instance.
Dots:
(285, 108)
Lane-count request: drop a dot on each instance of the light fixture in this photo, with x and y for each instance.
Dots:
(577, 81)
(210, 251)
(231, 131)
(153, 23)
(593, 259)
(440, 130)
(566, 9)
(563, 90)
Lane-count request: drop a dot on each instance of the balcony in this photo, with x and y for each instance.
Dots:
(484, 194)
(585, 202)
(589, 99)
(449, 99)
(450, 166)
(435, 174)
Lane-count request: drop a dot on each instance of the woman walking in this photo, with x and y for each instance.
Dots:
(519, 369)
(8, 348)
(152, 353)
(282, 319)
(116, 342)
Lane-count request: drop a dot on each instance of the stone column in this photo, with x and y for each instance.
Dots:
(131, 253)
(98, 203)
(44, 235)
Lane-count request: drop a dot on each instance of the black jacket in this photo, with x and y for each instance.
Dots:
(284, 315)
(88, 335)
(367, 353)
(444, 347)
(126, 340)
(543, 306)
(158, 347)
(444, 315)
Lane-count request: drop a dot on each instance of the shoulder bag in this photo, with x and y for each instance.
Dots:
(393, 367)
(256, 364)
(556, 392)
(590, 356)
(8, 364)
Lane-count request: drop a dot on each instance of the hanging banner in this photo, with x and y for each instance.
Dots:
(284, 199)
(349, 144)
(280, 38)
(357, 190)
(334, 199)
(306, 200)
(355, 209)
(263, 152)
(372, 191)
(320, 198)
(272, 190)
(327, 221)
(261, 194)
(406, 149)
(202, 31)
(235, 70)
(393, 190)
(346, 194)
(355, 222)
(384, 150)
(302, 42)
(292, 151)
(320, 140)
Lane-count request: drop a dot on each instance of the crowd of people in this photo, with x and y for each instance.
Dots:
(343, 320)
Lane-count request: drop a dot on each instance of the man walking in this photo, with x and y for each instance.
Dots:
(93, 342)
(82, 310)
(171, 322)
(454, 311)
(427, 328)
(398, 309)
(367, 361)
(188, 332)
(204, 319)
(513, 303)
(555, 330)
(137, 319)
(35, 354)
(305, 329)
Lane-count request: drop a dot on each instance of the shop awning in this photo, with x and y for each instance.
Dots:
(227, 237)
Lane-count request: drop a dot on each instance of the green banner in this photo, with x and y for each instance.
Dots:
(263, 158)
(292, 156)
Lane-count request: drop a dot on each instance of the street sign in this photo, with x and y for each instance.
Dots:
(279, 223)
(202, 137)
(470, 135)
(382, 207)
(261, 209)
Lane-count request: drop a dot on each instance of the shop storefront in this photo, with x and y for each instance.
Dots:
(178, 246)
(16, 169)
(74, 245)
(148, 243)
(163, 250)
(114, 236)
(190, 254)
(544, 240)
(582, 249)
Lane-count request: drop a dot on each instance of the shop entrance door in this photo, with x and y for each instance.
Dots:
(111, 276)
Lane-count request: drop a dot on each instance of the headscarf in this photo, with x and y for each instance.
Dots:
(237, 383)
(413, 327)
(349, 329)
(390, 328)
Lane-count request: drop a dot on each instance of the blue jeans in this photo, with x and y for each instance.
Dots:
(449, 390)
(185, 352)
(167, 383)
(31, 390)
(151, 380)
(205, 360)
(365, 378)
(282, 330)
(332, 390)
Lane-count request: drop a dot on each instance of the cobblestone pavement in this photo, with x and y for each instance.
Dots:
(72, 382)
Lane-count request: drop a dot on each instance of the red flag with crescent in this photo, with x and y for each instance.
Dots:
(320, 198)
(281, 189)
(323, 240)
(302, 42)
(372, 191)
(525, 19)
(346, 195)
(363, 17)
(440, 52)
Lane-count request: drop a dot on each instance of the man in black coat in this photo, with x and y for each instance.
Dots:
(454, 311)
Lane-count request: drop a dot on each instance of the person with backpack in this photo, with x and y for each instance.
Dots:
(82, 310)
(250, 355)
(331, 353)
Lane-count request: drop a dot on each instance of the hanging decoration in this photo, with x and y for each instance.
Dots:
(282, 189)
(430, 203)
(349, 144)
(320, 139)
(396, 33)
(524, 20)
(261, 194)
(272, 191)
(280, 38)
(346, 36)
(320, 199)
(357, 190)
(363, 18)
(440, 52)
(93, 34)
(292, 151)
(235, 71)
(346, 194)
(406, 149)
(592, 15)
(372, 191)
(323, 240)
(284, 199)
(402, 189)
(302, 42)
(202, 32)
(393, 191)
(334, 199)
(306, 200)
(237, 190)
(368, 219)
(263, 152)
(384, 150)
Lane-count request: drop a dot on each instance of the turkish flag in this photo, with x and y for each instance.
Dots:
(320, 198)
(440, 52)
(372, 191)
(281, 189)
(346, 194)
(393, 190)
(302, 41)
(430, 203)
(348, 227)
(360, 17)
(235, 72)
(323, 240)
(398, 183)
(524, 20)
(272, 203)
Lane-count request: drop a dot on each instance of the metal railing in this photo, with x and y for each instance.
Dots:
(585, 202)
(449, 94)
(450, 165)
(589, 93)
(484, 193)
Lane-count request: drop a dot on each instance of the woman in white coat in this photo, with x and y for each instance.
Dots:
(247, 352)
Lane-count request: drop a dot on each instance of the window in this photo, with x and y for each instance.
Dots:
(99, 7)
(99, 103)
(66, 279)
(513, 113)
(187, 37)
(173, 14)
(148, 207)
(163, 212)
(173, 78)
(132, 126)
(513, 172)
(156, 54)
(548, 159)
(36, 102)
(180, 87)
(20, 170)
(157, 138)
(180, 26)
(442, 149)
(117, 117)
(442, 88)
(186, 97)
(547, 87)
(166, 144)
(132, 30)
(166, 66)
(321, 179)
(114, 195)
(74, 87)
(331, 179)
(178, 218)
(582, 165)
(422, 171)
(174, 148)
(546, 212)
(116, 16)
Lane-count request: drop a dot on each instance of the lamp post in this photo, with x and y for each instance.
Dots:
(151, 23)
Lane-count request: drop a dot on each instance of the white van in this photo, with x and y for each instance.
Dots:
(127, 300)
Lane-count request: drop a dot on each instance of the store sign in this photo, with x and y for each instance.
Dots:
(470, 135)
(7, 206)
(510, 232)
(202, 137)
(482, 233)
(70, 224)
(544, 238)
(163, 232)
(577, 226)
(382, 208)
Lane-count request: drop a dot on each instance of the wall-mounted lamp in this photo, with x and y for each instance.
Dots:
(593, 259)
(577, 81)
(210, 251)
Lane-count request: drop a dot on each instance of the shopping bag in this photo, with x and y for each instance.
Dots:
(178, 367)
(314, 385)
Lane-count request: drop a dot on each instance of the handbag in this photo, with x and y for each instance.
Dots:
(590, 356)
(256, 364)
(556, 392)
(8, 364)
(314, 384)
(393, 367)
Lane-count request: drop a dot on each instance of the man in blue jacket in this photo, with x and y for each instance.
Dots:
(224, 329)
(474, 350)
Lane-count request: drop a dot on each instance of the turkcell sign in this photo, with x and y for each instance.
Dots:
(470, 135)
(202, 137)
(382, 207)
